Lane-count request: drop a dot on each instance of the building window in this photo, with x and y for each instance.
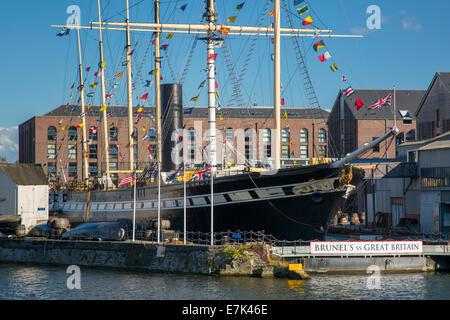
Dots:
(304, 135)
(113, 167)
(72, 151)
(113, 134)
(154, 151)
(135, 134)
(285, 151)
(248, 135)
(135, 151)
(285, 135)
(322, 135)
(72, 170)
(51, 170)
(322, 151)
(191, 152)
(93, 169)
(73, 133)
(304, 152)
(152, 134)
(113, 152)
(51, 151)
(377, 147)
(93, 151)
(51, 133)
(229, 134)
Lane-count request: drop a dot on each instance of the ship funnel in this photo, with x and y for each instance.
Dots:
(172, 126)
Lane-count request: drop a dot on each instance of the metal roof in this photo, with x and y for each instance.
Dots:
(25, 174)
(198, 112)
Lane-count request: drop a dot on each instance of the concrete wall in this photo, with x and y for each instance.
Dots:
(177, 259)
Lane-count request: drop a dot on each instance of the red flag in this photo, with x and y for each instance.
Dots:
(358, 104)
(282, 101)
(212, 56)
(217, 85)
(88, 68)
(144, 97)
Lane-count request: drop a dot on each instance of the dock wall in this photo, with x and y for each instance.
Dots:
(120, 255)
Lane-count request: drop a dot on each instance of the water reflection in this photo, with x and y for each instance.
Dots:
(27, 282)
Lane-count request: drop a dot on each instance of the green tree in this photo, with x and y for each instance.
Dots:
(3, 160)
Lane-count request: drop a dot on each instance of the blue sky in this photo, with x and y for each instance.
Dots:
(38, 67)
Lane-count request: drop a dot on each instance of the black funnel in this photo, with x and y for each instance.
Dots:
(172, 125)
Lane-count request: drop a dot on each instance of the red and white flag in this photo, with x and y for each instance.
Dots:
(125, 181)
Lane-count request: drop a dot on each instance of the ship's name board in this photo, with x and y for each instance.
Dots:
(365, 247)
(314, 186)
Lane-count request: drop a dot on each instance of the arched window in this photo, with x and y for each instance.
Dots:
(113, 151)
(229, 134)
(113, 134)
(322, 135)
(73, 133)
(267, 139)
(285, 135)
(135, 134)
(304, 135)
(248, 135)
(51, 133)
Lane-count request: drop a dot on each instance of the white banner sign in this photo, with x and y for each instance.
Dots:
(365, 247)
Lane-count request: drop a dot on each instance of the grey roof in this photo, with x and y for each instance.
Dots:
(439, 142)
(198, 112)
(24, 174)
(445, 78)
(406, 100)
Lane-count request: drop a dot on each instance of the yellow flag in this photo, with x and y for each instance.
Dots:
(285, 115)
(231, 19)
(217, 94)
(154, 71)
(140, 109)
(65, 128)
(170, 35)
(94, 85)
(103, 64)
(194, 98)
(220, 117)
(70, 96)
(143, 128)
(103, 108)
(120, 74)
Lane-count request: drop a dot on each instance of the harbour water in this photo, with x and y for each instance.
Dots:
(26, 282)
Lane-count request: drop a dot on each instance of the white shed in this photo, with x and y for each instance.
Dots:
(23, 194)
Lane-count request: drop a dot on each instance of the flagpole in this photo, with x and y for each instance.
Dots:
(184, 200)
(102, 73)
(134, 205)
(159, 204)
(212, 207)
(395, 111)
(129, 91)
(83, 129)
(277, 120)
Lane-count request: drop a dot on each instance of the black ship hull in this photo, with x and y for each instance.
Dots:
(291, 204)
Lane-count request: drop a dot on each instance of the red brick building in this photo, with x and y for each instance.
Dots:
(350, 129)
(42, 139)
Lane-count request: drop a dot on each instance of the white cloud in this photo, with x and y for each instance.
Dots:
(9, 146)
(410, 23)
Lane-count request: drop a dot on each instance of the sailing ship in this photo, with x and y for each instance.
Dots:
(286, 203)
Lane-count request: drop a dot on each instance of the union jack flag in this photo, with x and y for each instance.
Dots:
(202, 174)
(381, 102)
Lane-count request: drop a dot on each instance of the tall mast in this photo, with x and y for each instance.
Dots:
(211, 87)
(102, 73)
(84, 144)
(157, 89)
(129, 93)
(277, 82)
